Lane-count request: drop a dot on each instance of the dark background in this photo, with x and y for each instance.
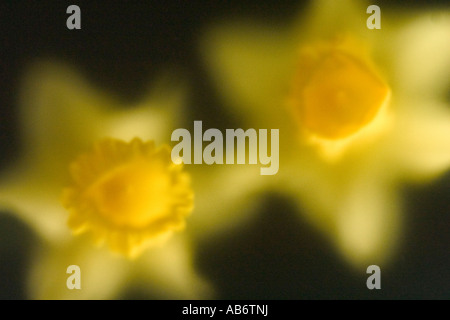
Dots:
(125, 44)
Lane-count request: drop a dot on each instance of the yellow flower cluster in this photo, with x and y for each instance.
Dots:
(359, 112)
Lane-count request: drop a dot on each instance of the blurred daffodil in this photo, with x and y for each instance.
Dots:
(359, 111)
(109, 167)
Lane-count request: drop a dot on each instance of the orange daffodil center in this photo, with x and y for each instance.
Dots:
(337, 91)
(130, 195)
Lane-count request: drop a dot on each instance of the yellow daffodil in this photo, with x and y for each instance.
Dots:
(359, 110)
(97, 184)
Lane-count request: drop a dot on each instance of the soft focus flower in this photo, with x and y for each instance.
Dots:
(360, 111)
(130, 195)
(121, 189)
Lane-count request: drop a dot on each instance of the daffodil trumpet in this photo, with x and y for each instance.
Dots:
(128, 194)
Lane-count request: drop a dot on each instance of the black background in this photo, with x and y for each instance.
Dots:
(125, 44)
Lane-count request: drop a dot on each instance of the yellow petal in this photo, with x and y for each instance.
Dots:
(420, 145)
(368, 223)
(354, 203)
(168, 272)
(326, 18)
(25, 193)
(59, 113)
(252, 65)
(102, 275)
(423, 55)
(62, 114)
(228, 198)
